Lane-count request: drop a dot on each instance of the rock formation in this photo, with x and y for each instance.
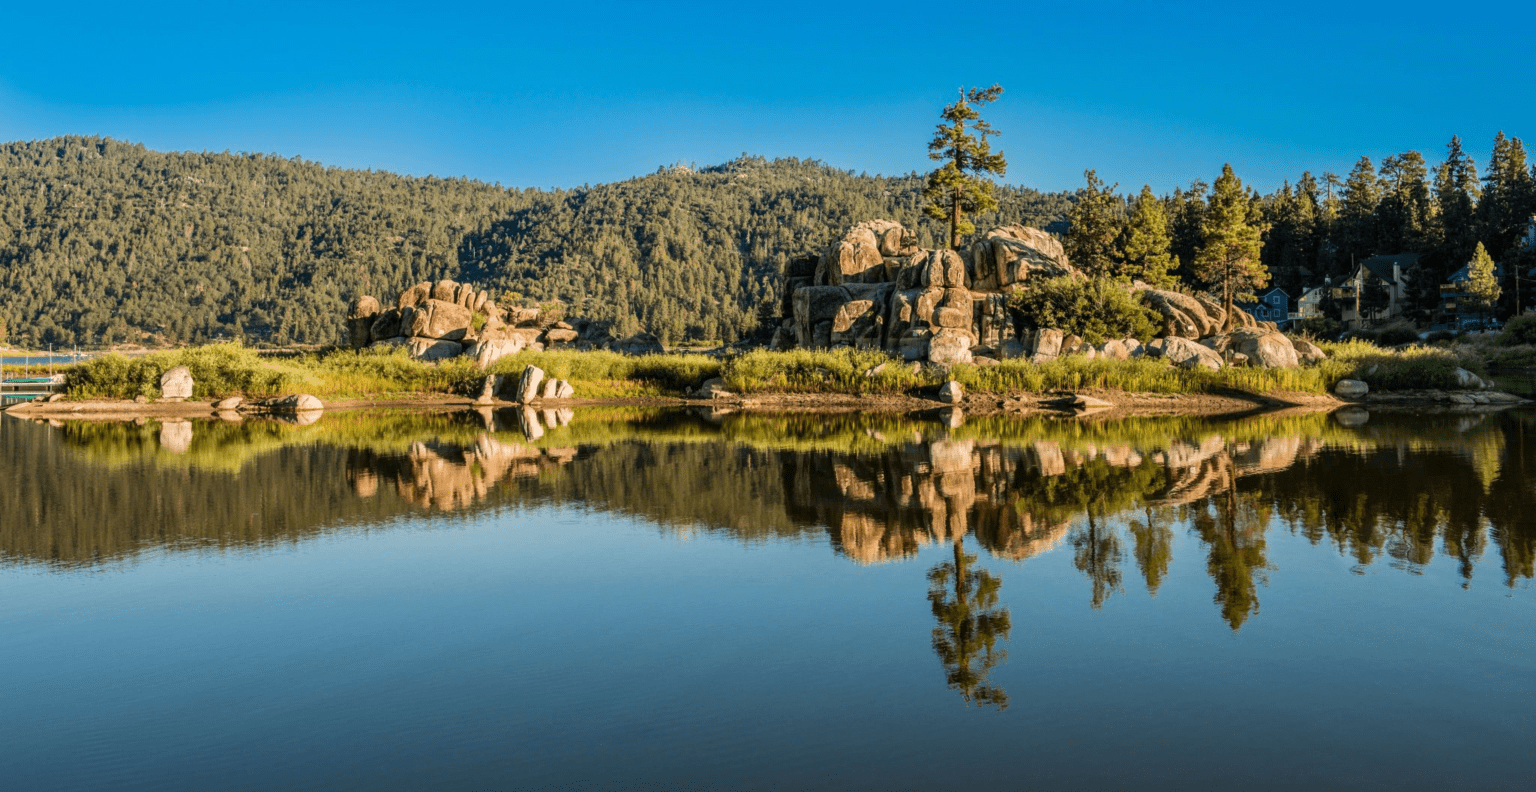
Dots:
(873, 288)
(176, 384)
(436, 321)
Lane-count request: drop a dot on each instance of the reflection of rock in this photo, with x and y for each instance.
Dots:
(448, 477)
(176, 436)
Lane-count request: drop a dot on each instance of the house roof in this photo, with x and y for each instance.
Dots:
(1460, 275)
(1381, 266)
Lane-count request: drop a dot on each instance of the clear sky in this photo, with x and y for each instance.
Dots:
(562, 94)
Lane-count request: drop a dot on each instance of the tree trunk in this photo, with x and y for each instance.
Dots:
(954, 222)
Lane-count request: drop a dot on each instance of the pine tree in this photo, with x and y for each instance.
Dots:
(1145, 245)
(1229, 257)
(1405, 211)
(959, 188)
(1456, 194)
(1186, 213)
(1507, 197)
(1094, 225)
(1482, 284)
(1357, 213)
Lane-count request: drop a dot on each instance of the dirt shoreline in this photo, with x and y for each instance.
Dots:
(982, 404)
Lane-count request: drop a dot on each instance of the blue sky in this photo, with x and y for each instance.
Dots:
(555, 94)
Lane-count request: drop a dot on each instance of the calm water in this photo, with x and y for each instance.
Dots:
(644, 599)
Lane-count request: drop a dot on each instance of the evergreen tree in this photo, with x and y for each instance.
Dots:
(1093, 227)
(1145, 245)
(960, 187)
(1404, 214)
(1186, 215)
(1228, 259)
(1357, 213)
(1456, 194)
(1482, 284)
(1505, 207)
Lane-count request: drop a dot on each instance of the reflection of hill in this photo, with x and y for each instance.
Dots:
(880, 487)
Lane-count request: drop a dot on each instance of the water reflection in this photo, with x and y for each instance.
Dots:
(880, 489)
(964, 601)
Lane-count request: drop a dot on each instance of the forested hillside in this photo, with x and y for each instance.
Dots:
(107, 242)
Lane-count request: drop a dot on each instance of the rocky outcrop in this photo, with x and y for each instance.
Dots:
(428, 317)
(176, 384)
(1185, 353)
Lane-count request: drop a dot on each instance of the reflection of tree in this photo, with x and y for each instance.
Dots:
(964, 602)
(1154, 546)
(1096, 553)
(1233, 529)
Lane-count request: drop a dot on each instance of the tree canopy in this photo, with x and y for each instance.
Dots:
(959, 189)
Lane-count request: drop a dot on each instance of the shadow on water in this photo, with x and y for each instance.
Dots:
(1374, 487)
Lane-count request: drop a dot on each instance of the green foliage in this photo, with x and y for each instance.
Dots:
(1482, 286)
(1519, 330)
(1412, 368)
(218, 370)
(1145, 246)
(1098, 309)
(959, 187)
(1319, 327)
(1094, 224)
(821, 371)
(1228, 259)
(1397, 335)
(104, 242)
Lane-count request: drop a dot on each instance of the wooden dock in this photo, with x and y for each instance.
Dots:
(23, 389)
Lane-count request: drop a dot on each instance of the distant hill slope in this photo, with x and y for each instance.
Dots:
(104, 241)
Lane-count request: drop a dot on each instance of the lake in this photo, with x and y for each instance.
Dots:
(680, 599)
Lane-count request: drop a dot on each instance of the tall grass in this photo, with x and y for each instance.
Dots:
(221, 370)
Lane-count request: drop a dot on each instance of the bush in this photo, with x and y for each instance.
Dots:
(1520, 330)
(1319, 327)
(1098, 309)
(1397, 335)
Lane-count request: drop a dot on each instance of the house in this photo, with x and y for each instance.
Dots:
(1310, 304)
(1377, 291)
(1272, 306)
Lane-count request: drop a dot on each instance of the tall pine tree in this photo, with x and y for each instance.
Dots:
(960, 187)
(1093, 226)
(1145, 245)
(1228, 260)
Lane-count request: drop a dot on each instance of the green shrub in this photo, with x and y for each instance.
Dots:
(1098, 309)
(821, 371)
(1319, 327)
(1520, 330)
(1397, 336)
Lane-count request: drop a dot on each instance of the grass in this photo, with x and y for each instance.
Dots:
(221, 370)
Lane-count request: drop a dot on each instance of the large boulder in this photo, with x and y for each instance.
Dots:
(487, 351)
(940, 269)
(1014, 254)
(1265, 348)
(952, 393)
(432, 349)
(1185, 353)
(1045, 344)
(414, 296)
(1183, 315)
(1351, 389)
(816, 306)
(528, 384)
(950, 346)
(441, 319)
(296, 403)
(176, 384)
(852, 258)
(1308, 352)
(639, 344)
(393, 323)
(360, 319)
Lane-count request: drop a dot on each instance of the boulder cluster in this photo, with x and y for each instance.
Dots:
(435, 321)
(874, 288)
